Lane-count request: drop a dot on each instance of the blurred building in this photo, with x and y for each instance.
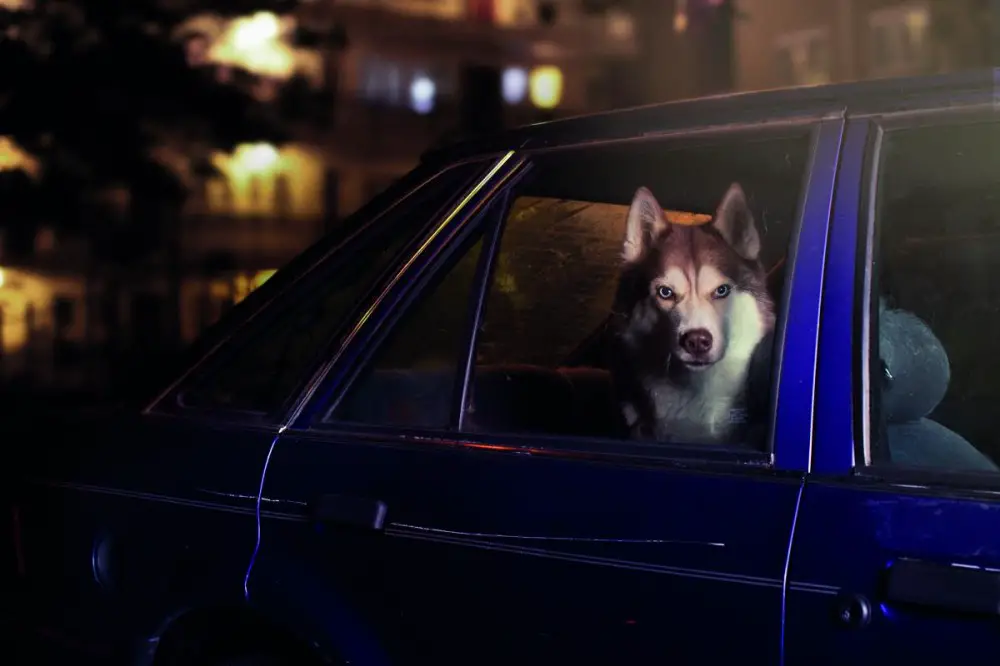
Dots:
(382, 82)
(368, 85)
(371, 86)
(685, 48)
(365, 106)
(794, 42)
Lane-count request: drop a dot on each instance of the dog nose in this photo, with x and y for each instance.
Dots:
(697, 342)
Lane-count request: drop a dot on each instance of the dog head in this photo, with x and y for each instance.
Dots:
(693, 295)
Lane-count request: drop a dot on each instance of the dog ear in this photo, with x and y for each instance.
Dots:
(645, 222)
(734, 221)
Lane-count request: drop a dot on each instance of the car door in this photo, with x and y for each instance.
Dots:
(125, 522)
(470, 486)
(897, 548)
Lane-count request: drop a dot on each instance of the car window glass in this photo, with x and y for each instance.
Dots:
(262, 369)
(583, 332)
(412, 378)
(937, 306)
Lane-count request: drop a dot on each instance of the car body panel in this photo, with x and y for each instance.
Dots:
(510, 556)
(128, 521)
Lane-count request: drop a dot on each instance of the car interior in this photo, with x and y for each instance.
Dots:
(937, 218)
(574, 398)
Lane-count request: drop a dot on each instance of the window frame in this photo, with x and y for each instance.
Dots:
(483, 227)
(823, 135)
(397, 297)
(307, 270)
(862, 470)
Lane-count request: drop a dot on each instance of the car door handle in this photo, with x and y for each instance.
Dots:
(948, 587)
(350, 511)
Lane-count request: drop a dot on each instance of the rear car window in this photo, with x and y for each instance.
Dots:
(543, 361)
(565, 293)
(259, 369)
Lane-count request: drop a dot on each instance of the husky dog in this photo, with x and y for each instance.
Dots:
(691, 308)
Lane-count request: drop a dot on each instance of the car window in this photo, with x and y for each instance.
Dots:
(261, 368)
(636, 290)
(936, 306)
(412, 378)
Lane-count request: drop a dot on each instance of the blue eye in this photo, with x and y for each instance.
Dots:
(723, 291)
(666, 293)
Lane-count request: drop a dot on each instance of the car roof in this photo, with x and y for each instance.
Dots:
(974, 87)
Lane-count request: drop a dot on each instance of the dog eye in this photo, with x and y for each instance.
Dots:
(666, 293)
(722, 291)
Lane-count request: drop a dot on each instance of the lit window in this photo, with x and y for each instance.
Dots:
(12, 157)
(514, 85)
(545, 86)
(256, 43)
(261, 277)
(422, 92)
(255, 158)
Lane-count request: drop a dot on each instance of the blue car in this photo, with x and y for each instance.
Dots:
(406, 447)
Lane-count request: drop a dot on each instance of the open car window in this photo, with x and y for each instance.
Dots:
(564, 296)
(544, 360)
(585, 297)
(261, 368)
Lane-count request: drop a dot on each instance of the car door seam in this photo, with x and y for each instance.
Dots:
(788, 562)
(260, 495)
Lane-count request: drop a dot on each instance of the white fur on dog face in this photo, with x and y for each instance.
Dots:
(733, 321)
(745, 326)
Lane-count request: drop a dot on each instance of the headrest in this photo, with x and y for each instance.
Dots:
(916, 368)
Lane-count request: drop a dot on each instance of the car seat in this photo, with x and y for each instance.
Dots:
(914, 379)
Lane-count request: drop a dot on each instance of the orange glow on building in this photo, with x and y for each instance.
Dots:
(12, 157)
(256, 43)
(23, 292)
(545, 86)
(251, 177)
(260, 43)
